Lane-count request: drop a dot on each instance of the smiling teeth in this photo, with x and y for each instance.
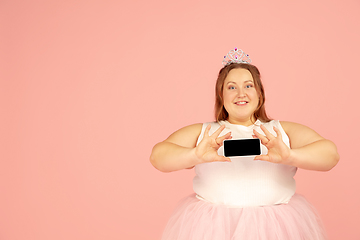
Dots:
(241, 102)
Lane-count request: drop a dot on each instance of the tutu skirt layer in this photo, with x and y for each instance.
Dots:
(195, 219)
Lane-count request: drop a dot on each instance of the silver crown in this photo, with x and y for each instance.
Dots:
(236, 56)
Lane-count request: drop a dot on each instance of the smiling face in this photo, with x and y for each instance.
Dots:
(240, 97)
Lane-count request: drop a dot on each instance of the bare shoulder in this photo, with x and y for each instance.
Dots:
(299, 135)
(289, 126)
(294, 127)
(186, 136)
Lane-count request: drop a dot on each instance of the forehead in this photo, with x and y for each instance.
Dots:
(239, 75)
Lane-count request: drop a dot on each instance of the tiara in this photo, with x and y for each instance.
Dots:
(236, 56)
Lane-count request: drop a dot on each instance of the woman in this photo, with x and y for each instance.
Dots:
(244, 197)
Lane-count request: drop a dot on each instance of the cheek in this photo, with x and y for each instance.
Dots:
(254, 94)
(226, 96)
(229, 97)
(257, 96)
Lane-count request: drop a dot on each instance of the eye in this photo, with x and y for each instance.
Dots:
(231, 87)
(249, 86)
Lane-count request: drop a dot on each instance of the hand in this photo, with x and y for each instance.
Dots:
(207, 149)
(278, 152)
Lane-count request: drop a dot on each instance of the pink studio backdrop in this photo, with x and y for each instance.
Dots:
(88, 87)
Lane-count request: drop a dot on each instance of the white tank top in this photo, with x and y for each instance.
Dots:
(244, 182)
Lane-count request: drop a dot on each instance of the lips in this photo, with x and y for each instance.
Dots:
(241, 103)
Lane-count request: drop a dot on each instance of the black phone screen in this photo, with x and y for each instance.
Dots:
(242, 147)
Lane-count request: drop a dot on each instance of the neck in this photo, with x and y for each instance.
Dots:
(244, 122)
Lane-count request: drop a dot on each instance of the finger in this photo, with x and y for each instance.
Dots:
(257, 134)
(267, 133)
(222, 159)
(262, 158)
(278, 133)
(220, 140)
(263, 139)
(207, 129)
(218, 131)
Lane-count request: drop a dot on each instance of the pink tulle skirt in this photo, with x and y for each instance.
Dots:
(195, 219)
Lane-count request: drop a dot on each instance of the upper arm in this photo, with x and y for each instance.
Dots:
(186, 136)
(300, 135)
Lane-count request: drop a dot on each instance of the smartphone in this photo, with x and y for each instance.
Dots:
(242, 147)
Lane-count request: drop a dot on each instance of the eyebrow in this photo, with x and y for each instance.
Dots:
(236, 83)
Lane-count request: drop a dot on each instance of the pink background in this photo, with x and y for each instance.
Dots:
(87, 88)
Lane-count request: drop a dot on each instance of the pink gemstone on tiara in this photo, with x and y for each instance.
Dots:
(235, 49)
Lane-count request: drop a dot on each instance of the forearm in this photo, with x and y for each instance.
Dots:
(168, 157)
(320, 155)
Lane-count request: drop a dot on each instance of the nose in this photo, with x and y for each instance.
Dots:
(241, 93)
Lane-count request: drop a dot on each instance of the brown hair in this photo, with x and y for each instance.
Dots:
(220, 111)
